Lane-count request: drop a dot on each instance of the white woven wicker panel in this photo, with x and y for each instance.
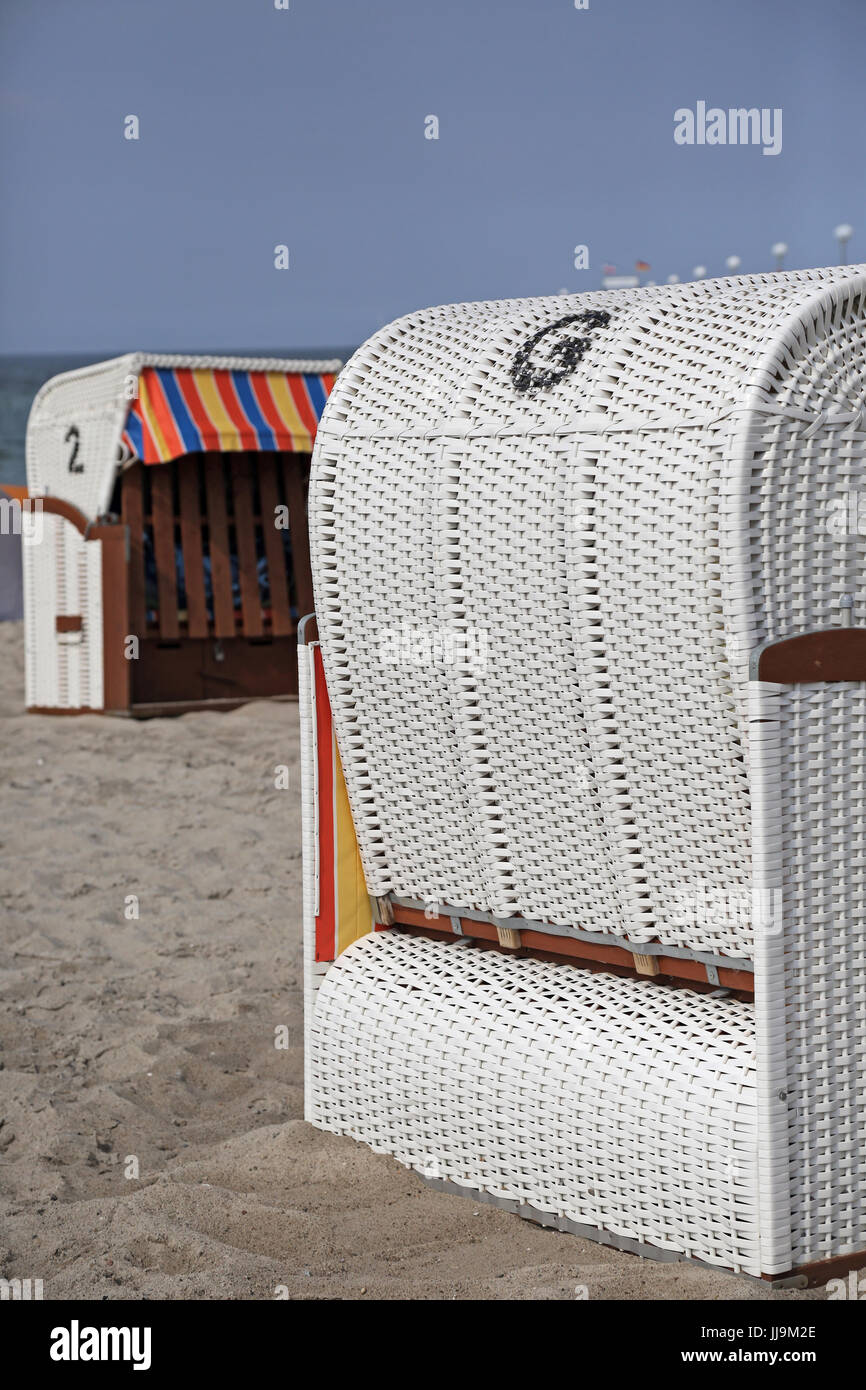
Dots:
(313, 970)
(90, 570)
(676, 347)
(94, 401)
(489, 404)
(372, 532)
(91, 401)
(63, 576)
(793, 468)
(614, 1103)
(693, 348)
(673, 538)
(645, 600)
(445, 365)
(813, 988)
(78, 593)
(504, 581)
(40, 608)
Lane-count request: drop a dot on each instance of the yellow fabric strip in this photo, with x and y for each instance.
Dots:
(229, 437)
(354, 915)
(289, 412)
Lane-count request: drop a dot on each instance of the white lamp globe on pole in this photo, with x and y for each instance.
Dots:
(733, 263)
(779, 249)
(699, 272)
(673, 279)
(843, 234)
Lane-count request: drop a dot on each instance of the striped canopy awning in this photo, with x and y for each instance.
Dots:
(184, 410)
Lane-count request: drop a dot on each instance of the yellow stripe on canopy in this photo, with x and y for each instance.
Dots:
(229, 434)
(284, 401)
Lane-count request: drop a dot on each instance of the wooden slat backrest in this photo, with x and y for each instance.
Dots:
(245, 541)
(278, 578)
(220, 553)
(164, 552)
(294, 467)
(132, 515)
(191, 544)
(265, 478)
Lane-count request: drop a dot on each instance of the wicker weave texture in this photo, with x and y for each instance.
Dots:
(314, 971)
(536, 608)
(811, 969)
(62, 575)
(614, 1103)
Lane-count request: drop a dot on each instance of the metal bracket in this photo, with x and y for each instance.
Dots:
(456, 926)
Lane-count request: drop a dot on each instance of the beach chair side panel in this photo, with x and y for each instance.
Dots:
(337, 909)
(808, 754)
(63, 584)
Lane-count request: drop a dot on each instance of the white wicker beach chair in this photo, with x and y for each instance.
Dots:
(92, 436)
(589, 594)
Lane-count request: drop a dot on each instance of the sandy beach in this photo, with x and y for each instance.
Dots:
(153, 1040)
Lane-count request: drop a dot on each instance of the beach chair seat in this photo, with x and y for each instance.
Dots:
(612, 1107)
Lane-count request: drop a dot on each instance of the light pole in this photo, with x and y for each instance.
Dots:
(733, 264)
(779, 249)
(673, 279)
(699, 272)
(843, 234)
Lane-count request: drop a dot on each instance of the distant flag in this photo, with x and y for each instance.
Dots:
(642, 265)
(610, 270)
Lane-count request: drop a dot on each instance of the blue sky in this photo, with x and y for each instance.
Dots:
(305, 127)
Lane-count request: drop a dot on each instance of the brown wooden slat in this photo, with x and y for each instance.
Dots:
(191, 543)
(828, 654)
(565, 947)
(819, 1272)
(278, 579)
(293, 479)
(191, 670)
(220, 562)
(245, 538)
(163, 552)
(116, 626)
(132, 512)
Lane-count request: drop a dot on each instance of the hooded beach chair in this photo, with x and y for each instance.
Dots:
(584, 753)
(174, 561)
